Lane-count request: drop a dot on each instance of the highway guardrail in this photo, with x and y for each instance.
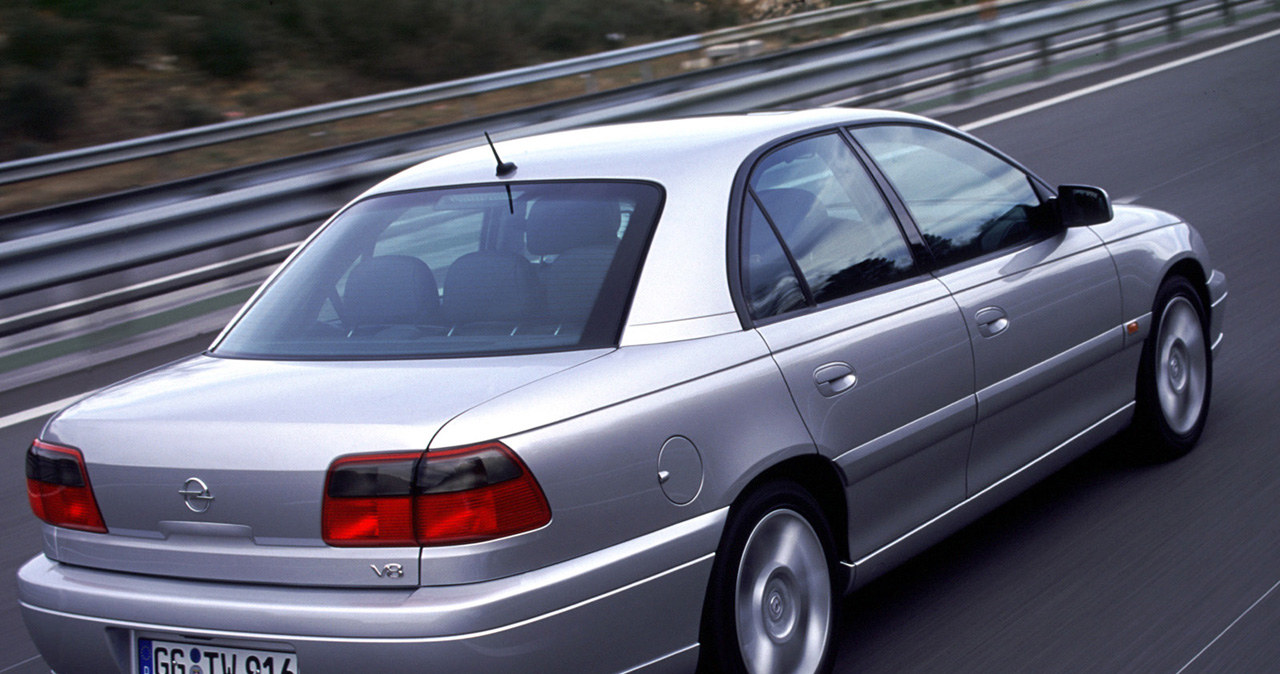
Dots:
(54, 281)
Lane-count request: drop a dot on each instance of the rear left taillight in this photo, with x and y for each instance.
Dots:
(442, 497)
(59, 490)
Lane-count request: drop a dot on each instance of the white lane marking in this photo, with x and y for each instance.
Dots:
(1116, 82)
(1233, 624)
(37, 412)
(12, 667)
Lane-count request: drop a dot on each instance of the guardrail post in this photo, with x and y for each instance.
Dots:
(1044, 46)
(887, 92)
(964, 78)
(1112, 49)
(646, 71)
(1228, 12)
(1175, 31)
(872, 16)
(589, 83)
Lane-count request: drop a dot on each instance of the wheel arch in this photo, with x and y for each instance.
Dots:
(1190, 268)
(818, 476)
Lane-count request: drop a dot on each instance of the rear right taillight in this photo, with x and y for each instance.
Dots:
(441, 497)
(59, 490)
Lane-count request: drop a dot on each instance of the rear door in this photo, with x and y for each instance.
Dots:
(1042, 303)
(874, 352)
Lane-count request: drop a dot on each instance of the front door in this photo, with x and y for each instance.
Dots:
(1041, 303)
(874, 351)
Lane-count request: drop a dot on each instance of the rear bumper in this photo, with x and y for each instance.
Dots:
(635, 606)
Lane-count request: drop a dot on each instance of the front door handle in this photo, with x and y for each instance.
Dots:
(833, 379)
(991, 321)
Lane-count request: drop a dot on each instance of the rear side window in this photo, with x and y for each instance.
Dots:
(966, 201)
(498, 269)
(817, 229)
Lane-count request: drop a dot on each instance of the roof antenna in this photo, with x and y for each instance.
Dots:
(505, 168)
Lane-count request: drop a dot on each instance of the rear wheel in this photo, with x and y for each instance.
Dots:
(773, 599)
(1176, 375)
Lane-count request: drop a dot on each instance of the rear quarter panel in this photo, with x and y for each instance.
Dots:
(592, 436)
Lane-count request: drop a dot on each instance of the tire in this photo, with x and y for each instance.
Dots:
(1176, 374)
(773, 600)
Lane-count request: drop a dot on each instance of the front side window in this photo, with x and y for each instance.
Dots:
(966, 201)
(496, 269)
(813, 210)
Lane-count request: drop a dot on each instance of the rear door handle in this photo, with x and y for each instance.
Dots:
(991, 321)
(833, 379)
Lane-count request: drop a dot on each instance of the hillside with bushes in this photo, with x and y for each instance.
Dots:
(78, 73)
(84, 72)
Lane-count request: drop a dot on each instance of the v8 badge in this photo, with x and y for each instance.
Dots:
(388, 570)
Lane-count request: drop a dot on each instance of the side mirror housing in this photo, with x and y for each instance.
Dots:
(1081, 205)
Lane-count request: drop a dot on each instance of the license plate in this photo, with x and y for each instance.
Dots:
(171, 657)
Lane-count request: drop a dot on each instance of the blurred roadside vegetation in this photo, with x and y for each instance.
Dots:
(77, 73)
(83, 72)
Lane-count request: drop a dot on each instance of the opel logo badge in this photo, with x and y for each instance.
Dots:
(196, 494)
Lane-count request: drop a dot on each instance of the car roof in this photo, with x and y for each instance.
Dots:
(661, 150)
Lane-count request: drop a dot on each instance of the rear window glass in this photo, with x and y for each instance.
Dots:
(496, 269)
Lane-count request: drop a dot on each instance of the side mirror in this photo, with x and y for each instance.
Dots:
(1080, 205)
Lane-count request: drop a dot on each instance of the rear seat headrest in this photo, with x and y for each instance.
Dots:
(391, 289)
(556, 225)
(490, 286)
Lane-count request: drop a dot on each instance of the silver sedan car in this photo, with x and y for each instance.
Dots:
(641, 398)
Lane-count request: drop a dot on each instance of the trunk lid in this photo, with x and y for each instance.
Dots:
(258, 437)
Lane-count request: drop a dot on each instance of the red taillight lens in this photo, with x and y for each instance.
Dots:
(474, 494)
(369, 500)
(59, 490)
(460, 495)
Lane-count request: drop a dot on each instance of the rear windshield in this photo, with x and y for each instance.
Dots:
(496, 269)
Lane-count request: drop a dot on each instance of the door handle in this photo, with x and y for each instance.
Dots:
(833, 379)
(991, 321)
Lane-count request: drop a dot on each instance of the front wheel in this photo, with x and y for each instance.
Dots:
(773, 599)
(1176, 374)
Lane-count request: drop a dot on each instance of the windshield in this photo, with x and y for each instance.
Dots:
(496, 269)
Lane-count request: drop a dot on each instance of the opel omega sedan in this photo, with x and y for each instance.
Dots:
(644, 398)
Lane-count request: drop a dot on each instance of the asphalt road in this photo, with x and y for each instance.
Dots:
(1109, 566)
